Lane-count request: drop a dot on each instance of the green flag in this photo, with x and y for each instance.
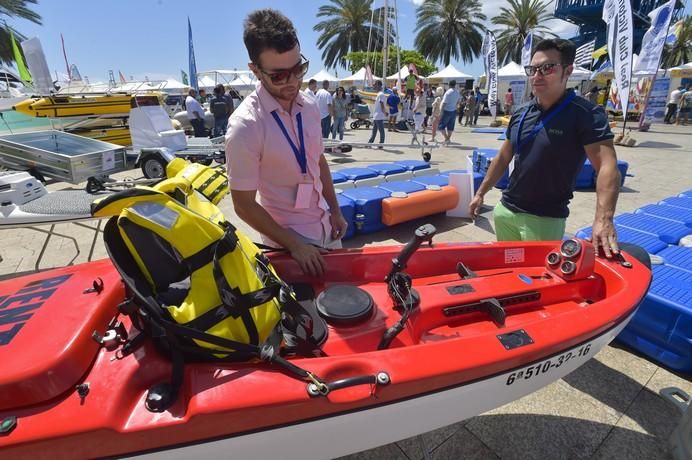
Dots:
(184, 77)
(19, 59)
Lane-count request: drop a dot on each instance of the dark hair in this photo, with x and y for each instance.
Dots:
(312, 81)
(342, 90)
(566, 48)
(268, 29)
(452, 83)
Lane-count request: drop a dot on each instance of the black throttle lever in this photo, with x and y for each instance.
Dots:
(422, 233)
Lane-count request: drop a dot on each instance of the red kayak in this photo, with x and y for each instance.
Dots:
(492, 323)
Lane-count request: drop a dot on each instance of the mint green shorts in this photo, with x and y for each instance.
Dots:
(520, 226)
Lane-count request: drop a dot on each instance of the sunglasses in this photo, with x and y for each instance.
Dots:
(543, 69)
(281, 77)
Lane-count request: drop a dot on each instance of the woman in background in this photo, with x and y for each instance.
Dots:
(340, 112)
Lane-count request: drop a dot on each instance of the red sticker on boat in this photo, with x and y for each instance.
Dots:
(514, 255)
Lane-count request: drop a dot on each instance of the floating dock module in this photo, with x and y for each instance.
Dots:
(357, 173)
(678, 257)
(402, 187)
(662, 327)
(413, 165)
(386, 169)
(419, 204)
(489, 130)
(681, 215)
(348, 210)
(368, 202)
(650, 242)
(666, 230)
(679, 201)
(438, 180)
(338, 178)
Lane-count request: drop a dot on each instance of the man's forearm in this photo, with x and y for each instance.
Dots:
(607, 190)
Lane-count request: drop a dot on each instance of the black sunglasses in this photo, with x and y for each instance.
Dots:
(280, 77)
(543, 69)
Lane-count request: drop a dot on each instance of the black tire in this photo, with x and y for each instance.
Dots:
(354, 125)
(154, 167)
(427, 156)
(368, 124)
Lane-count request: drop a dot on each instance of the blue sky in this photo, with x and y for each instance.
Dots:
(149, 37)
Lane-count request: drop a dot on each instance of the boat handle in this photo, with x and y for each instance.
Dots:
(381, 378)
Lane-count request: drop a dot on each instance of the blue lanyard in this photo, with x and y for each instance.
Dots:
(299, 153)
(541, 124)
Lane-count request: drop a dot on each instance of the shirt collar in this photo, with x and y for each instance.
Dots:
(534, 102)
(271, 104)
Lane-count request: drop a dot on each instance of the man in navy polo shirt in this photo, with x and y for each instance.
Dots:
(549, 138)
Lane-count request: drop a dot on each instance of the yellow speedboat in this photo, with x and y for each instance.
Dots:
(83, 106)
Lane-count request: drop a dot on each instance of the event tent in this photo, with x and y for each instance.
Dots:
(684, 70)
(321, 76)
(511, 71)
(243, 83)
(357, 79)
(448, 74)
(403, 73)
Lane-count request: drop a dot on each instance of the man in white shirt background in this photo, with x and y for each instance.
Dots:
(673, 105)
(379, 113)
(324, 102)
(449, 111)
(195, 113)
(312, 87)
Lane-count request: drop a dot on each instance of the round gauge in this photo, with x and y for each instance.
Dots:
(570, 248)
(568, 267)
(553, 258)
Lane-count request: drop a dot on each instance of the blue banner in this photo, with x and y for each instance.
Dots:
(193, 66)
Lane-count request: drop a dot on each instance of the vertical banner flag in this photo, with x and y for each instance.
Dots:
(183, 77)
(193, 65)
(654, 38)
(526, 60)
(617, 14)
(491, 57)
(584, 52)
(19, 60)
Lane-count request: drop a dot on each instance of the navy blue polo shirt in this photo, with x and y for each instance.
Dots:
(546, 168)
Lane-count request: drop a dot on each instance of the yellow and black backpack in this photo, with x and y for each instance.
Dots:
(198, 286)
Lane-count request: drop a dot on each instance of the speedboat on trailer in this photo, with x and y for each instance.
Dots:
(418, 338)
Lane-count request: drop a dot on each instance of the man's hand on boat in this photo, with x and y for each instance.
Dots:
(309, 258)
(339, 225)
(605, 237)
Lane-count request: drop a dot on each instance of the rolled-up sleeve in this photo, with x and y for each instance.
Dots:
(595, 127)
(243, 153)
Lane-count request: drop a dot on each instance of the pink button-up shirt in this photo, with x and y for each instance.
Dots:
(259, 157)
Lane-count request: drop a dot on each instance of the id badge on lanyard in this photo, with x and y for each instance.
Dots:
(305, 186)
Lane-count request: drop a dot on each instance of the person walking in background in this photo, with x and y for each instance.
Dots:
(672, 107)
(419, 110)
(461, 106)
(311, 90)
(509, 101)
(685, 106)
(324, 102)
(429, 99)
(436, 111)
(450, 100)
(218, 106)
(393, 101)
(549, 139)
(195, 113)
(479, 103)
(340, 105)
(379, 113)
(470, 108)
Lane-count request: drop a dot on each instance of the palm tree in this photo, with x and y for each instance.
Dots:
(12, 9)
(347, 28)
(449, 29)
(681, 51)
(518, 19)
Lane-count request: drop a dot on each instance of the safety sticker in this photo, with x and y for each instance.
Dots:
(514, 255)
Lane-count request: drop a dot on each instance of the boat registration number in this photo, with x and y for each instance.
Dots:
(548, 364)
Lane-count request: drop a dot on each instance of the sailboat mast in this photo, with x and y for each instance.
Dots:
(385, 51)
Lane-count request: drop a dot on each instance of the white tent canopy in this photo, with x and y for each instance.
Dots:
(580, 73)
(243, 83)
(511, 70)
(403, 73)
(357, 79)
(321, 76)
(448, 74)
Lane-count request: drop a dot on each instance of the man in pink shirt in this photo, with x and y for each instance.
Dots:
(274, 147)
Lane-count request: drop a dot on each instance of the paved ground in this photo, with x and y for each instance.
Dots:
(609, 408)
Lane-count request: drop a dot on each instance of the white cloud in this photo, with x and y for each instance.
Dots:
(417, 2)
(562, 28)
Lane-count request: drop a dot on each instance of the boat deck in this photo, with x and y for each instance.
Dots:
(608, 408)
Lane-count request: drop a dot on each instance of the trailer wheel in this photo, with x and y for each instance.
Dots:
(427, 156)
(354, 125)
(154, 167)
